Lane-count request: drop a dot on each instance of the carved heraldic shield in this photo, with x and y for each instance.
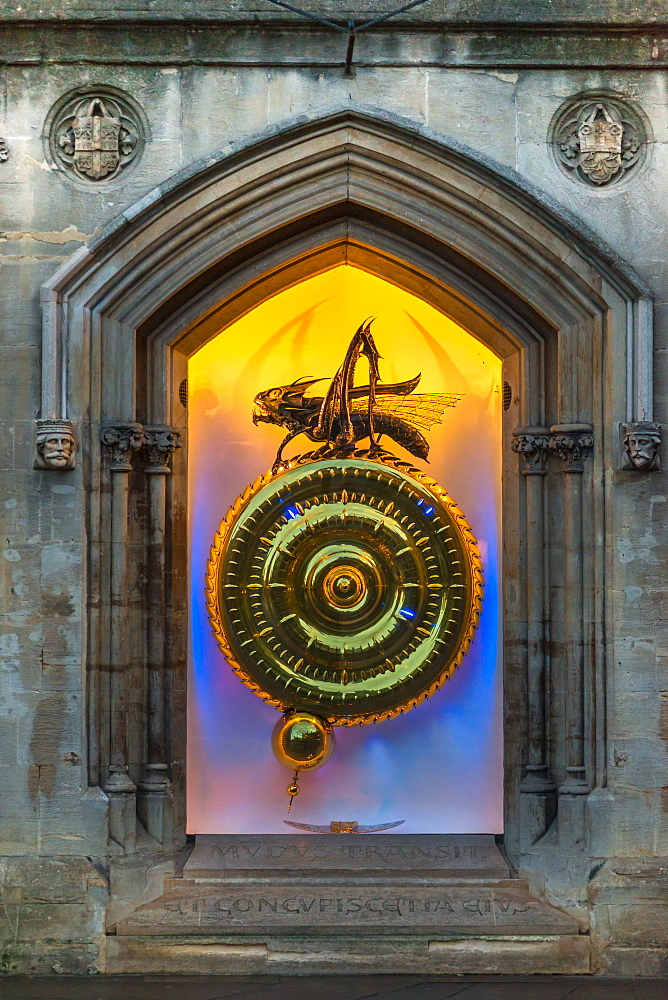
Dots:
(599, 140)
(96, 140)
(600, 145)
(96, 135)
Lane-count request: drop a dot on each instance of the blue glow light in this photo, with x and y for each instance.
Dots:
(420, 502)
(291, 513)
(429, 511)
(377, 771)
(406, 613)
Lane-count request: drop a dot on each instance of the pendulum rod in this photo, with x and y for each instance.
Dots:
(293, 789)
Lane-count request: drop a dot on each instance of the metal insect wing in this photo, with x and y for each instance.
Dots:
(344, 586)
(344, 826)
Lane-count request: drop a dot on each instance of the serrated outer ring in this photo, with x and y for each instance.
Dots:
(217, 553)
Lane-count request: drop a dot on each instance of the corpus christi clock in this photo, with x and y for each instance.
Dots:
(344, 586)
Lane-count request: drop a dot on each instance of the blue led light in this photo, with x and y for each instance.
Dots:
(291, 513)
(420, 502)
(429, 511)
(406, 613)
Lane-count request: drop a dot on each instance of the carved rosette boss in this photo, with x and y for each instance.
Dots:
(598, 138)
(55, 447)
(641, 446)
(95, 134)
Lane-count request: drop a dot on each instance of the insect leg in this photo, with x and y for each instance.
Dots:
(279, 454)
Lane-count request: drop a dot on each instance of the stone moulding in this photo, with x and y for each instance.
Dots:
(572, 443)
(539, 206)
(639, 442)
(160, 444)
(123, 438)
(504, 262)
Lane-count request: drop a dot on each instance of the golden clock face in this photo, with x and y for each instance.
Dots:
(347, 587)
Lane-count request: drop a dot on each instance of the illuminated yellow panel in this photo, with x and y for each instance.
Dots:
(440, 768)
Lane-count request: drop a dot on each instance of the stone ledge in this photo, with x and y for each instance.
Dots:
(530, 956)
(244, 46)
(422, 855)
(325, 907)
(617, 12)
(342, 955)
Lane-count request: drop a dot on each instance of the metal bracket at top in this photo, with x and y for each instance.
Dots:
(351, 29)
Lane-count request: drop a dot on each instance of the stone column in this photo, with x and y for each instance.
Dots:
(572, 443)
(537, 802)
(155, 804)
(121, 439)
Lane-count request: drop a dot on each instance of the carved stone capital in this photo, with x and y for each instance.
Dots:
(572, 443)
(160, 442)
(55, 447)
(641, 446)
(532, 444)
(122, 439)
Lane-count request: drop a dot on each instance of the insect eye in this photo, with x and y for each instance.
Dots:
(275, 393)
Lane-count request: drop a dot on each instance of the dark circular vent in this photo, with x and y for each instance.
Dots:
(183, 392)
(507, 395)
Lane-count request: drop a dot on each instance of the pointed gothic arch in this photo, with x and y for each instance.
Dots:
(572, 323)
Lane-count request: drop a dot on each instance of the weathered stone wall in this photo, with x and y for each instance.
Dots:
(488, 78)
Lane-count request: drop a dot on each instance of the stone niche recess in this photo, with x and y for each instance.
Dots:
(122, 319)
(448, 782)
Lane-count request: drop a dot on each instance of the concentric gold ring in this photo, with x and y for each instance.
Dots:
(346, 587)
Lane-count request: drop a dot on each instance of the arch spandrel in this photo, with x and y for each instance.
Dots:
(179, 237)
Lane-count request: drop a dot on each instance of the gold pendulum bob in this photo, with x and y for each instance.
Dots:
(301, 741)
(293, 789)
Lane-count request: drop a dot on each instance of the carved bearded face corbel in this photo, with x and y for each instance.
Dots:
(54, 446)
(641, 446)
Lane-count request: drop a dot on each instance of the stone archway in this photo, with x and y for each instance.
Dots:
(572, 324)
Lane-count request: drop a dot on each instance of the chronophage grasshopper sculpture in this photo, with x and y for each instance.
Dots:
(348, 414)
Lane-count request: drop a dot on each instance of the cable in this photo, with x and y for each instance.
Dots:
(351, 30)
